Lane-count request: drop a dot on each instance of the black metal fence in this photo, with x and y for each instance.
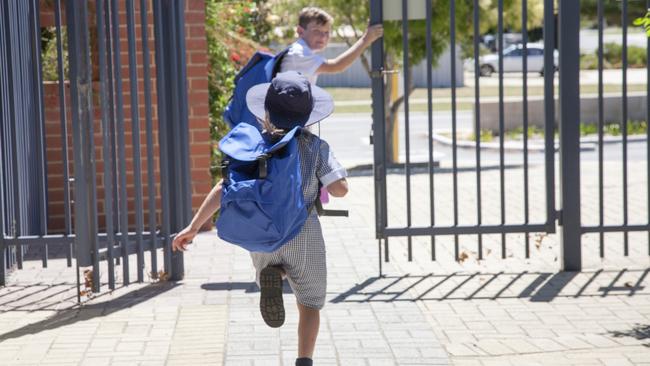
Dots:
(22, 175)
(95, 81)
(568, 215)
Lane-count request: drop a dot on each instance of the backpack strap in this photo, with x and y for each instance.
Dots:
(278, 62)
(318, 205)
(263, 165)
(257, 57)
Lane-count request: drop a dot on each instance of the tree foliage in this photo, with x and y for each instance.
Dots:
(612, 11)
(644, 22)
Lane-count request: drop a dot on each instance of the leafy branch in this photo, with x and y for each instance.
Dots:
(644, 22)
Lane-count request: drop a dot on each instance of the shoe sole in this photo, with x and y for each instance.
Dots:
(271, 303)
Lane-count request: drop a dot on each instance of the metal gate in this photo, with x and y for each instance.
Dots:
(567, 216)
(106, 192)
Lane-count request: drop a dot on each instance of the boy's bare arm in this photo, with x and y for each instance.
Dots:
(209, 206)
(338, 188)
(344, 60)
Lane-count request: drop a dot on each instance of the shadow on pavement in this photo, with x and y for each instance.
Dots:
(639, 332)
(35, 294)
(96, 308)
(536, 287)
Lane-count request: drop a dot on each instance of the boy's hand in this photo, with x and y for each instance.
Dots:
(183, 239)
(373, 32)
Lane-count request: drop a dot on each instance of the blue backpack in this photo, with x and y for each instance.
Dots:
(261, 68)
(262, 206)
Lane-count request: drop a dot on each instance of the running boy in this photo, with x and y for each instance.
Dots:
(289, 101)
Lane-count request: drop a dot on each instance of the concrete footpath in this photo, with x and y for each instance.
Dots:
(512, 311)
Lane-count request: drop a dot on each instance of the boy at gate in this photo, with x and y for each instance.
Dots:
(289, 101)
(314, 31)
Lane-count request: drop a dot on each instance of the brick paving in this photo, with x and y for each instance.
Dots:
(475, 312)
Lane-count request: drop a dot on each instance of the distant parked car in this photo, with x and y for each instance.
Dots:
(491, 42)
(513, 57)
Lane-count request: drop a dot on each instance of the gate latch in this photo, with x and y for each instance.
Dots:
(381, 72)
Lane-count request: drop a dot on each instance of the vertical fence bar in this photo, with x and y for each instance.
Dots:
(13, 56)
(151, 184)
(64, 128)
(501, 128)
(108, 158)
(549, 112)
(452, 36)
(177, 202)
(3, 247)
(601, 126)
(429, 8)
(379, 128)
(39, 120)
(647, 119)
(113, 118)
(19, 113)
(135, 134)
(624, 122)
(407, 130)
(184, 207)
(570, 133)
(477, 124)
(524, 33)
(86, 240)
(121, 155)
(4, 116)
(161, 68)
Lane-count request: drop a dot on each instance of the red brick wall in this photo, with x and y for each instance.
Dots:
(197, 71)
(199, 108)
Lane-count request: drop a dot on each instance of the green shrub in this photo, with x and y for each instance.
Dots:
(486, 136)
(613, 54)
(615, 128)
(636, 56)
(588, 62)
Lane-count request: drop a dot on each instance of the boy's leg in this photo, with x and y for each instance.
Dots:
(308, 324)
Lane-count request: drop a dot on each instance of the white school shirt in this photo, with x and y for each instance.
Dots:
(302, 59)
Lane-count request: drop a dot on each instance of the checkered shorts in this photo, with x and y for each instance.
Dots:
(304, 261)
(303, 258)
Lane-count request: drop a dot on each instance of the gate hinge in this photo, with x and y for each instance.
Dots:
(558, 216)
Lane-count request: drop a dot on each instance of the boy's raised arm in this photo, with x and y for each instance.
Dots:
(344, 60)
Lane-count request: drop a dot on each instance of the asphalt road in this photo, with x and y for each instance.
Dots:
(348, 134)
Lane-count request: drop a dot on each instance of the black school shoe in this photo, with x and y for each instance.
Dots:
(304, 361)
(271, 304)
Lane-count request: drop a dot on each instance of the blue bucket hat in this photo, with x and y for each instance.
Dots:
(290, 100)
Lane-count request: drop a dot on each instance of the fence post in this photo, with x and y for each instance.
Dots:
(378, 118)
(378, 128)
(169, 28)
(569, 88)
(85, 203)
